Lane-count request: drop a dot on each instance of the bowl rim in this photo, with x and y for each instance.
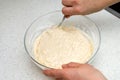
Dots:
(91, 58)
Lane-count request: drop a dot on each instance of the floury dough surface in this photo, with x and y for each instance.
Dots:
(61, 45)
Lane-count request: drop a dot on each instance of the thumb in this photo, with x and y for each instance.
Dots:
(72, 65)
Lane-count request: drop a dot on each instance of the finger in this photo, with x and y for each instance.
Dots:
(64, 66)
(71, 11)
(67, 11)
(72, 65)
(67, 2)
(70, 2)
(56, 73)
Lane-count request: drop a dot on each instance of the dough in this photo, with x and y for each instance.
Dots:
(61, 45)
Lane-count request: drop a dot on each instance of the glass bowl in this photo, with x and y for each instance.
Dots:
(54, 18)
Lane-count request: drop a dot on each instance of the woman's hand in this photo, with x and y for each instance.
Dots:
(75, 71)
(84, 7)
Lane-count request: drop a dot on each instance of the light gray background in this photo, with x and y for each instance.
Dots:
(17, 15)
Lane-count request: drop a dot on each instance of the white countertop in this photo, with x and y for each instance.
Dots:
(16, 16)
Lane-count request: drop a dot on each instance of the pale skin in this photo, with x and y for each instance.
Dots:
(76, 71)
(84, 7)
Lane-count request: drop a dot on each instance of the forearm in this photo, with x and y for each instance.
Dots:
(110, 2)
(115, 1)
(101, 4)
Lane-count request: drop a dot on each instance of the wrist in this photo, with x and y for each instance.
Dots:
(111, 2)
(105, 3)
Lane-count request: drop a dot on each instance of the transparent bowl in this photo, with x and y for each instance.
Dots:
(54, 18)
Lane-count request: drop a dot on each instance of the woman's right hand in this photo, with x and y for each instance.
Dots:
(75, 71)
(84, 7)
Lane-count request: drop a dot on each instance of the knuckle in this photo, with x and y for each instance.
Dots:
(80, 10)
(77, 10)
(63, 1)
(64, 10)
(75, 1)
